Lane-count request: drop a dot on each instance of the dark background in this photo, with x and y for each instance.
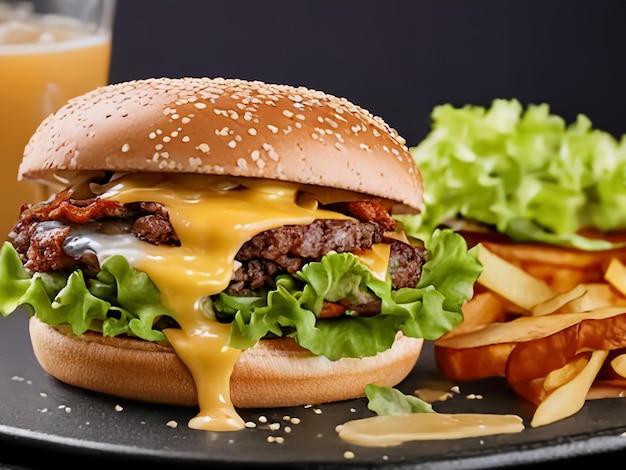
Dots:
(397, 58)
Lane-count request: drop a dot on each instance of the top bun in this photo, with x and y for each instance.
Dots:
(225, 127)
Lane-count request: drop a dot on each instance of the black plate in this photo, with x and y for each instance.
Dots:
(41, 418)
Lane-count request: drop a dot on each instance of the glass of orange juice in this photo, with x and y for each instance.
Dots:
(50, 51)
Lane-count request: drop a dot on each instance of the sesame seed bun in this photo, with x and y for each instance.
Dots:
(273, 373)
(226, 127)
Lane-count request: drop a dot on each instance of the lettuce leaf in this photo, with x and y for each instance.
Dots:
(122, 300)
(525, 172)
(387, 401)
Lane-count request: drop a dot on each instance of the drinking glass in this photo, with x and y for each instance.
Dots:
(50, 51)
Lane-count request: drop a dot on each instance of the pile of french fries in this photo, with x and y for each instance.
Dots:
(558, 341)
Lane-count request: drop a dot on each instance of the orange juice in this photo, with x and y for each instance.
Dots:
(41, 67)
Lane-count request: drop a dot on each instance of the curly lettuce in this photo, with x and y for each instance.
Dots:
(122, 300)
(524, 172)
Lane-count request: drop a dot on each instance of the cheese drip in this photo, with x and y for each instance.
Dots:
(212, 220)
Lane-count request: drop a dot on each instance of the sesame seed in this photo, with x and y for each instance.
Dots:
(125, 148)
(204, 148)
(287, 113)
(348, 454)
(166, 138)
(118, 408)
(232, 144)
(200, 105)
(300, 117)
(255, 154)
(185, 120)
(271, 152)
(195, 163)
(242, 163)
(152, 135)
(172, 424)
(272, 128)
(252, 131)
(185, 139)
(158, 146)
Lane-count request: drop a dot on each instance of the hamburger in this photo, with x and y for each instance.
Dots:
(539, 192)
(225, 244)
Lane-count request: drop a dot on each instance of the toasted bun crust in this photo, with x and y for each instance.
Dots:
(226, 127)
(274, 373)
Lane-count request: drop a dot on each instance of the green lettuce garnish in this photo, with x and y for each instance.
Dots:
(122, 300)
(525, 172)
(388, 401)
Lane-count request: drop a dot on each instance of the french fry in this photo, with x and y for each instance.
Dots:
(570, 397)
(528, 347)
(551, 321)
(553, 304)
(485, 307)
(619, 365)
(616, 275)
(597, 295)
(559, 377)
(511, 282)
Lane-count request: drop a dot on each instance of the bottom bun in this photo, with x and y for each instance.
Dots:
(274, 373)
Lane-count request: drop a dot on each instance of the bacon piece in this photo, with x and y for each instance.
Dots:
(371, 210)
(73, 211)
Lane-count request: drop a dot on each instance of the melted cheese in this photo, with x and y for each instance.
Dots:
(212, 221)
(377, 259)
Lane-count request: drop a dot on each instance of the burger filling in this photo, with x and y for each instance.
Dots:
(56, 236)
